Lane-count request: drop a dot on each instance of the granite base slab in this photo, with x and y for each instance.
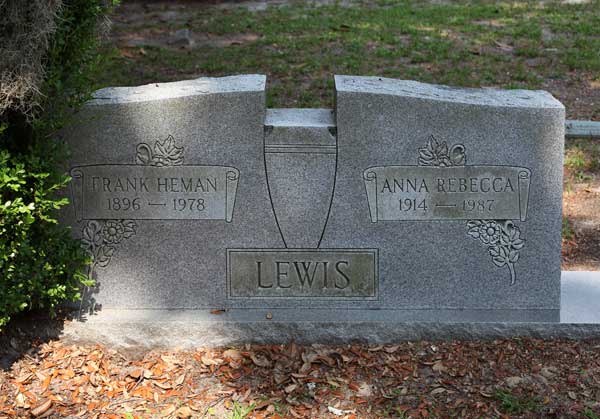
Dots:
(579, 319)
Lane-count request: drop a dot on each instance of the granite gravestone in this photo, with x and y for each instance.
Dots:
(410, 202)
(460, 190)
(166, 178)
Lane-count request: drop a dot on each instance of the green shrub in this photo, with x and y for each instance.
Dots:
(41, 265)
(39, 262)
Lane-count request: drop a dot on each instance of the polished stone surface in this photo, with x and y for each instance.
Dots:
(312, 274)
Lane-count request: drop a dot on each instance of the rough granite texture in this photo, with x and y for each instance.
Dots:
(436, 265)
(580, 319)
(176, 264)
(178, 89)
(302, 185)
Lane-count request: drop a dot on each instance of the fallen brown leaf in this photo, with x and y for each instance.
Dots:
(233, 354)
(439, 367)
(218, 311)
(184, 412)
(179, 381)
(42, 408)
(164, 386)
(208, 361)
(260, 360)
(168, 410)
(23, 378)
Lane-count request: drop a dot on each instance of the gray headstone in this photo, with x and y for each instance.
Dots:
(166, 177)
(460, 190)
(411, 202)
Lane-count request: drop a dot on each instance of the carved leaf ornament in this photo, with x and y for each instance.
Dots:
(164, 153)
(437, 154)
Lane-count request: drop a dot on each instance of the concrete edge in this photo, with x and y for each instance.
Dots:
(510, 98)
(186, 335)
(178, 89)
(187, 329)
(297, 117)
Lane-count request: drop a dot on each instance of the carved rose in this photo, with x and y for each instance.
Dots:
(503, 240)
(113, 231)
(100, 239)
(511, 237)
(489, 232)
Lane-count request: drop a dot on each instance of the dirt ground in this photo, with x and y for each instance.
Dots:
(511, 378)
(581, 206)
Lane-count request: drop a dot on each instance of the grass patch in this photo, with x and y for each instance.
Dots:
(567, 229)
(589, 414)
(582, 159)
(240, 411)
(512, 404)
(583, 154)
(300, 46)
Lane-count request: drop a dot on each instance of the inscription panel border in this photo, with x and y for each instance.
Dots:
(369, 176)
(232, 175)
(373, 251)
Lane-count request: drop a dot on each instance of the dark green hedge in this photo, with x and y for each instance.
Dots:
(40, 264)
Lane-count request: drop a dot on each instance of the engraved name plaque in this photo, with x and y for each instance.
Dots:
(141, 192)
(447, 193)
(292, 273)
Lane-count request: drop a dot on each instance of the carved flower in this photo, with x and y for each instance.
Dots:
(489, 232)
(113, 231)
(503, 239)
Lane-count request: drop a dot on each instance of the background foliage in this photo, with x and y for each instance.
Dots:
(40, 264)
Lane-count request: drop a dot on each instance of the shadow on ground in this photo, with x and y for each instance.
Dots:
(26, 332)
